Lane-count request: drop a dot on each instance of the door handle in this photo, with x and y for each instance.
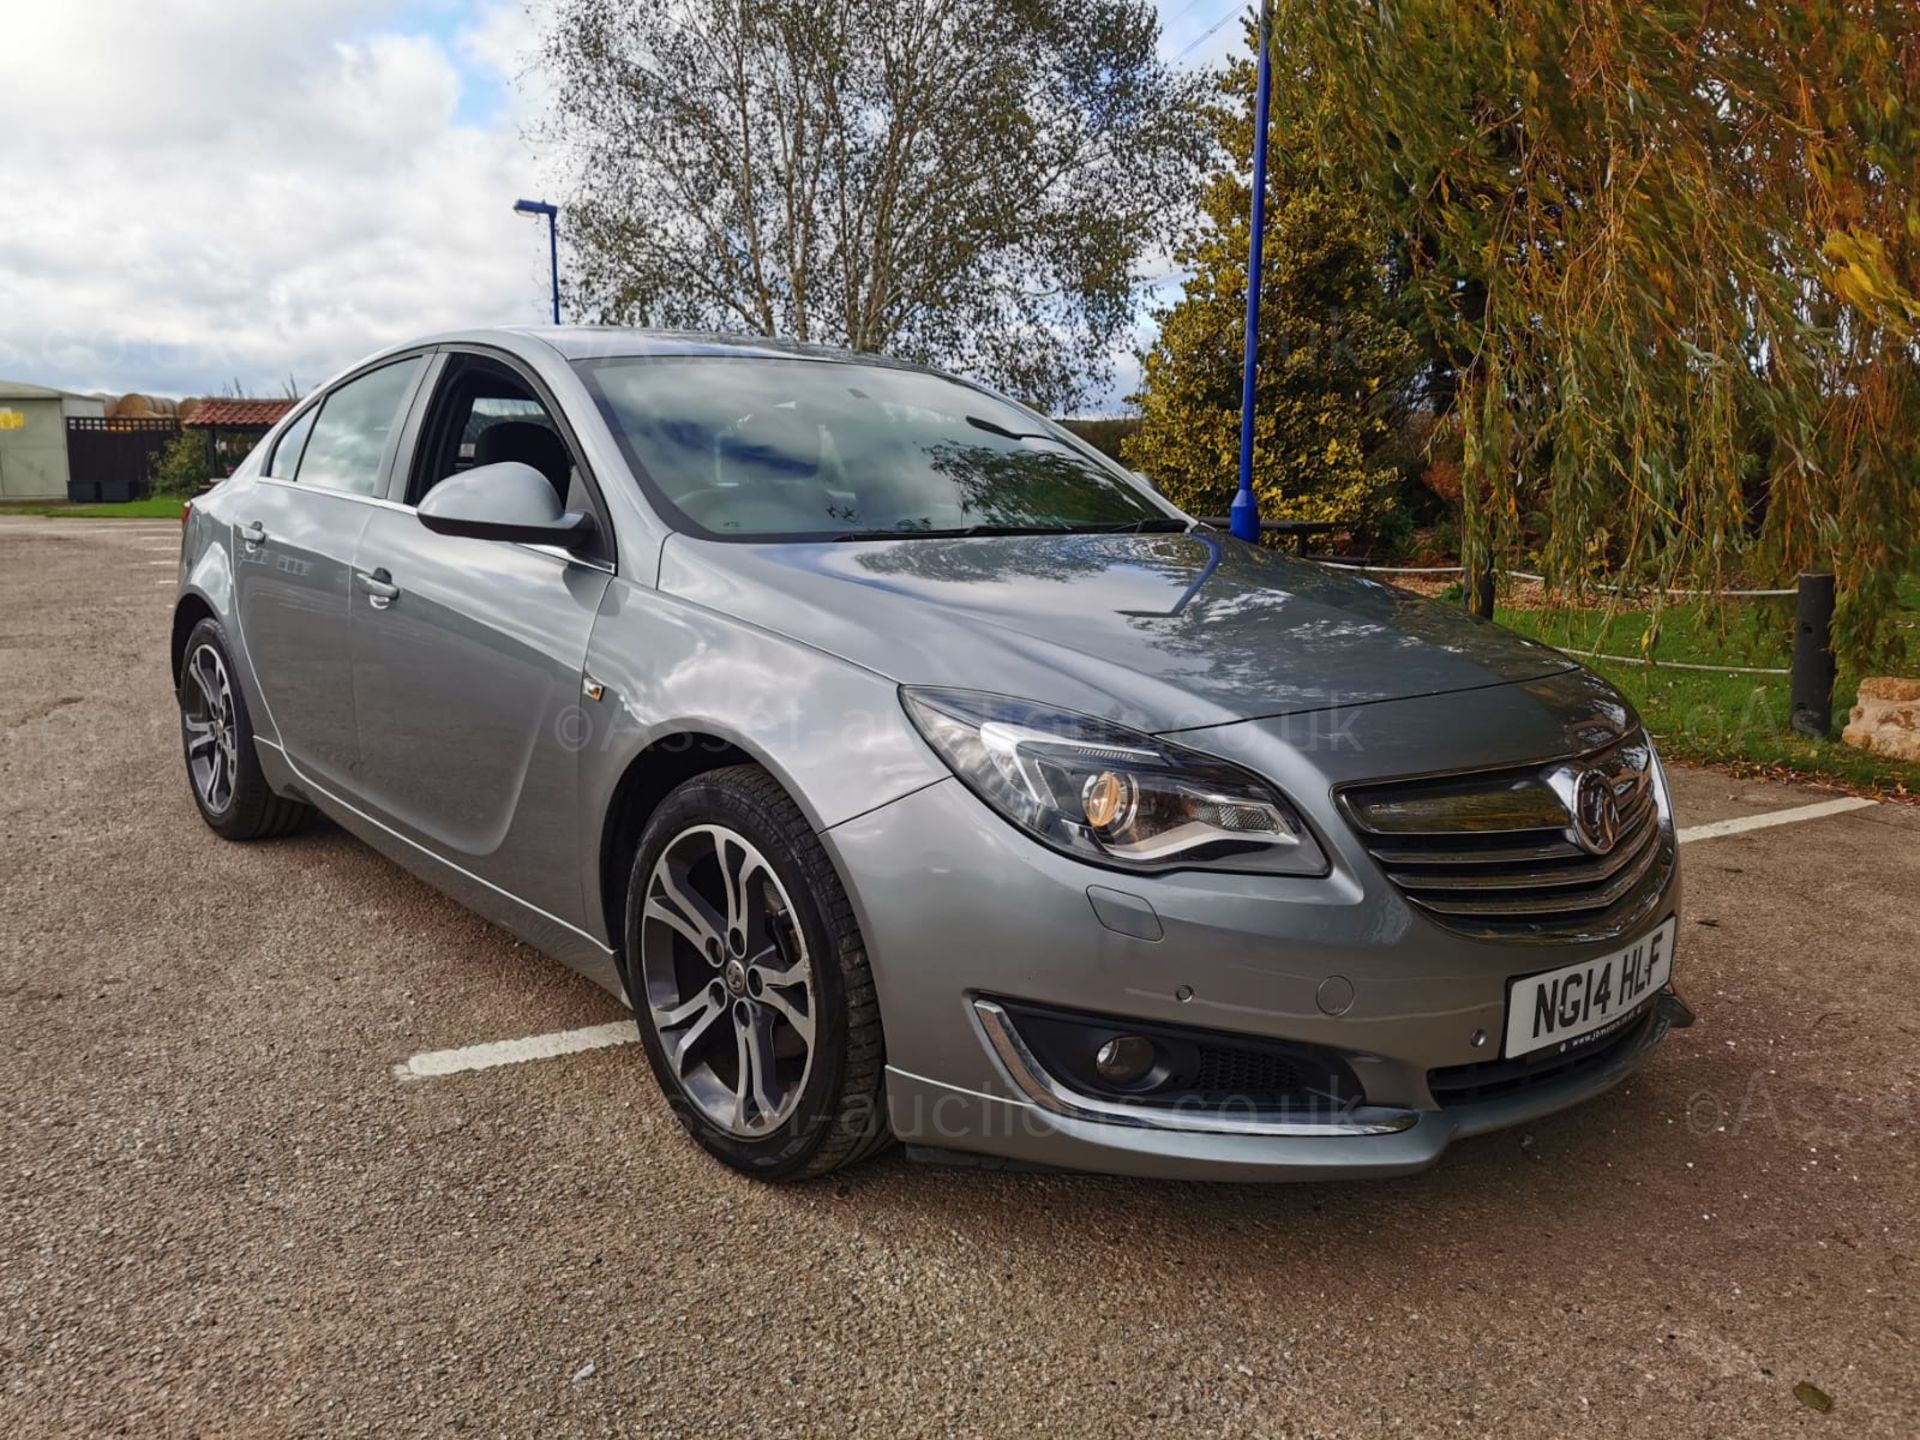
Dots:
(254, 533)
(379, 586)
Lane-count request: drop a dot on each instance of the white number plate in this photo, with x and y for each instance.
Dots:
(1577, 1005)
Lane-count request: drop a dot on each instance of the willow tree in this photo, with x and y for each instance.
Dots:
(969, 182)
(1669, 250)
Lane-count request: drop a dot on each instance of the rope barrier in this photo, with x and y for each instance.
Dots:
(1677, 590)
(1612, 589)
(1541, 580)
(1675, 664)
(1392, 569)
(1811, 674)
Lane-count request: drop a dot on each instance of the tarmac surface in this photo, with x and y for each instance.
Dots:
(222, 1213)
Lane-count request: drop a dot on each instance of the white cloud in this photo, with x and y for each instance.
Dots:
(1202, 32)
(502, 39)
(211, 195)
(201, 191)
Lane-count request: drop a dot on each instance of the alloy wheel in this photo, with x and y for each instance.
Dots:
(727, 980)
(207, 719)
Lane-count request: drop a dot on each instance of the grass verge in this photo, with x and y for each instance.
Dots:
(1722, 717)
(156, 507)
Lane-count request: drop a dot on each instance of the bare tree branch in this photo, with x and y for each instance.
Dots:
(968, 182)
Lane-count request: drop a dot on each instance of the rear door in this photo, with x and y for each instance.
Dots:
(467, 669)
(294, 537)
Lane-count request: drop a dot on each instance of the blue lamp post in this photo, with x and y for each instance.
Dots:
(552, 212)
(1245, 515)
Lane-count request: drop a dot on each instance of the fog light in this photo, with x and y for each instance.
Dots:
(1124, 1059)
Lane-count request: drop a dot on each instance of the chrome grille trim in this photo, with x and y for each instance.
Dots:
(1582, 903)
(1528, 883)
(1506, 855)
(1584, 869)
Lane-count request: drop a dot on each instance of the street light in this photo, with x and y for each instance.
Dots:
(552, 212)
(1244, 519)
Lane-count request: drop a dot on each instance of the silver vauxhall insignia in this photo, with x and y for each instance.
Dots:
(916, 773)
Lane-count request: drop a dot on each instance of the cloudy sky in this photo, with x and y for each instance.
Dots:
(198, 195)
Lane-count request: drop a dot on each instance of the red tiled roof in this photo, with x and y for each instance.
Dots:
(240, 414)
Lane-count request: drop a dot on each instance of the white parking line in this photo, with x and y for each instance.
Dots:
(624, 1032)
(517, 1052)
(1741, 824)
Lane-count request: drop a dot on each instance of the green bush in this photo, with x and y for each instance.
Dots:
(1106, 436)
(180, 468)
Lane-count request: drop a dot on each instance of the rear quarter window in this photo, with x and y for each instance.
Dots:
(284, 463)
(349, 439)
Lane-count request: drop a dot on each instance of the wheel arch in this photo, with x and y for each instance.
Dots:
(649, 777)
(192, 608)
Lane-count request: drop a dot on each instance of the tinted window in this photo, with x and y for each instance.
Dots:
(797, 448)
(490, 410)
(350, 437)
(286, 451)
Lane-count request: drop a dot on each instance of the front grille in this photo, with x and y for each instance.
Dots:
(1498, 853)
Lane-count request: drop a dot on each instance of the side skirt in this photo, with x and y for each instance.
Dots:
(548, 934)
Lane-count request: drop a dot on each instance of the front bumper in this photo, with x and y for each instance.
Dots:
(957, 905)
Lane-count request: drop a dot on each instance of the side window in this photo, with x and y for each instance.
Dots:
(286, 451)
(491, 410)
(482, 414)
(350, 437)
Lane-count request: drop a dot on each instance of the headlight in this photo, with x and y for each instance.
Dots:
(1108, 794)
(1662, 797)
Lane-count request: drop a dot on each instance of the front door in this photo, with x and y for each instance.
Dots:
(295, 533)
(467, 665)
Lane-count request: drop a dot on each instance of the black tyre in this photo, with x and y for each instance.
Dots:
(750, 983)
(216, 737)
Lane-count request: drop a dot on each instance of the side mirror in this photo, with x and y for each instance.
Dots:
(507, 501)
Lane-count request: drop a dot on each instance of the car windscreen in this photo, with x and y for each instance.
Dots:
(777, 449)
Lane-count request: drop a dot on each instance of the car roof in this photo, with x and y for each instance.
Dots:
(605, 342)
(538, 344)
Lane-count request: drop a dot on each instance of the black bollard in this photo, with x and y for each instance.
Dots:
(1813, 667)
(1476, 593)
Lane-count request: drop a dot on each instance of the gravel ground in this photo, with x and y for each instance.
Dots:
(222, 1213)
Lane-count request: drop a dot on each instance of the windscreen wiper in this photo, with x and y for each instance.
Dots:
(960, 532)
(980, 422)
(1055, 529)
(1151, 525)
